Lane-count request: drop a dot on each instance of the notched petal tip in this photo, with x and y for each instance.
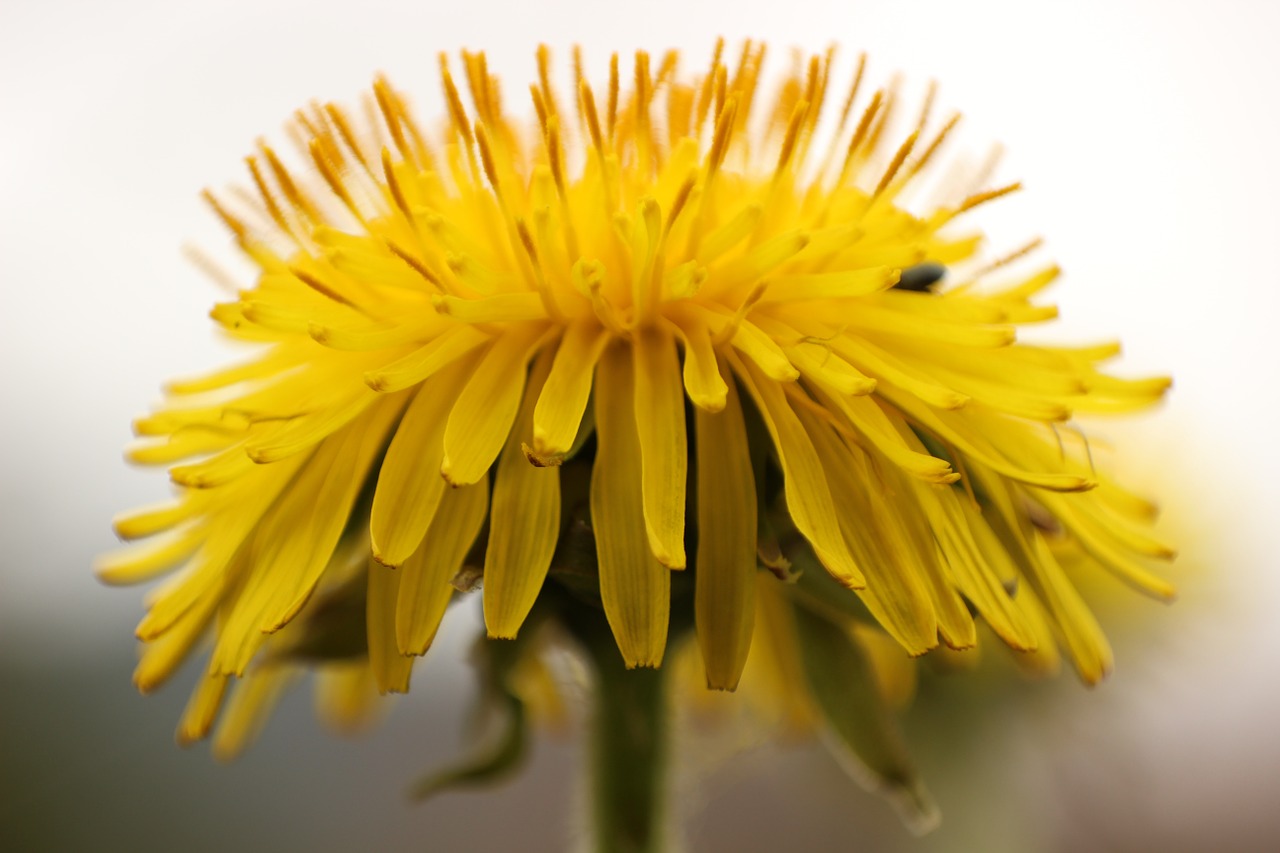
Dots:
(917, 654)
(382, 560)
(644, 664)
(958, 645)
(675, 562)
(852, 580)
(541, 459)
(711, 404)
(723, 688)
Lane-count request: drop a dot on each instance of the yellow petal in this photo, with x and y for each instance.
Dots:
(502, 308)
(564, 396)
(997, 395)
(731, 233)
(1010, 368)
(881, 366)
(725, 591)
(149, 521)
(425, 361)
(664, 455)
(179, 445)
(1107, 543)
(278, 358)
(743, 271)
(765, 352)
(702, 380)
(202, 709)
(1074, 624)
(161, 658)
(307, 431)
(871, 422)
(424, 586)
(955, 623)
(482, 416)
(143, 561)
(346, 698)
(217, 470)
(977, 564)
(409, 484)
(958, 430)
(524, 521)
(895, 593)
(805, 485)
(1044, 659)
(1029, 286)
(918, 324)
(635, 587)
(905, 541)
(249, 709)
(390, 668)
(376, 336)
(839, 284)
(294, 542)
(206, 575)
(821, 365)
(1086, 644)
(1090, 511)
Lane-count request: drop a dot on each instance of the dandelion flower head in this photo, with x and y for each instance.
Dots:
(689, 311)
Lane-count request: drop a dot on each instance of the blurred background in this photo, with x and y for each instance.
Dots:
(1146, 134)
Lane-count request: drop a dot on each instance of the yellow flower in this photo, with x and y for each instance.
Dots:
(667, 313)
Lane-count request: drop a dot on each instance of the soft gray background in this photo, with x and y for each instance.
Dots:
(1146, 133)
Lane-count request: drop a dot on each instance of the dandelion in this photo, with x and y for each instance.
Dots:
(682, 326)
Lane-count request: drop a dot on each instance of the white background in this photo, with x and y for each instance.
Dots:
(1147, 136)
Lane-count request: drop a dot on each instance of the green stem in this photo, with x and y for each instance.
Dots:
(628, 754)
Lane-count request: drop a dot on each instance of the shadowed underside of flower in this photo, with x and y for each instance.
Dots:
(694, 319)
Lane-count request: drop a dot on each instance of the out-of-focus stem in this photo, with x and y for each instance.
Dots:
(628, 762)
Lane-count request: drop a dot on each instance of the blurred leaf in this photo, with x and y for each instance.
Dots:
(859, 720)
(493, 764)
(505, 752)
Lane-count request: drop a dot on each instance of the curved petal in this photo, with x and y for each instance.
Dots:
(635, 587)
